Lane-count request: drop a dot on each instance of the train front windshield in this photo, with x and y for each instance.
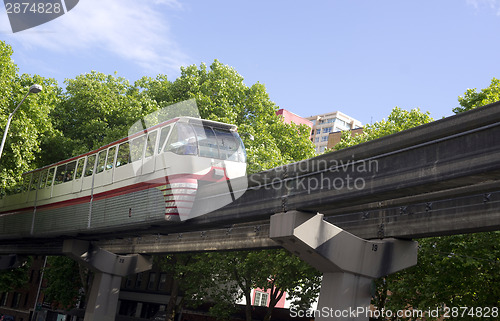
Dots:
(206, 141)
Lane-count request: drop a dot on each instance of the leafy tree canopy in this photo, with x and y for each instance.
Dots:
(30, 125)
(399, 120)
(97, 109)
(473, 99)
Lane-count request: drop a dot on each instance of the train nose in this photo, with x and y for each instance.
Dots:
(179, 195)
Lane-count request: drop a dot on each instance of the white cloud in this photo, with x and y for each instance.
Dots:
(137, 31)
(491, 4)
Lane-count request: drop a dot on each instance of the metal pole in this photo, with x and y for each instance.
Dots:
(34, 89)
(8, 124)
(39, 288)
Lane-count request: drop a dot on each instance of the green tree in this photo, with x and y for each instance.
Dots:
(97, 109)
(16, 278)
(473, 99)
(31, 124)
(398, 120)
(453, 271)
(227, 277)
(66, 281)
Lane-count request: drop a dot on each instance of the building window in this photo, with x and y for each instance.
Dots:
(128, 282)
(26, 299)
(260, 298)
(332, 120)
(15, 300)
(324, 138)
(152, 281)
(3, 299)
(322, 149)
(342, 123)
(138, 280)
(316, 140)
(162, 285)
(327, 130)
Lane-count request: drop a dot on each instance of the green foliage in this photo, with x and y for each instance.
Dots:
(17, 278)
(30, 125)
(398, 120)
(97, 109)
(453, 271)
(63, 281)
(473, 99)
(226, 277)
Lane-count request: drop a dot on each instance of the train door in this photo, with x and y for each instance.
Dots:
(78, 181)
(148, 163)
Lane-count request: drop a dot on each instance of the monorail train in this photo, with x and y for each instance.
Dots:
(148, 178)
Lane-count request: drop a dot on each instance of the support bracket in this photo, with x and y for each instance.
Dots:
(109, 269)
(348, 263)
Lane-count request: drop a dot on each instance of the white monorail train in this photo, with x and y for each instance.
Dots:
(142, 180)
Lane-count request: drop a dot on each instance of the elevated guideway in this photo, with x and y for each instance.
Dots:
(437, 179)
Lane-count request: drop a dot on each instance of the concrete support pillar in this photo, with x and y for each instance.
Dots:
(348, 263)
(109, 268)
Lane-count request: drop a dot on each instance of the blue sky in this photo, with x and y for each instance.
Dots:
(360, 57)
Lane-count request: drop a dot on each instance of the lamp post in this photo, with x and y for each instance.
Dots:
(34, 89)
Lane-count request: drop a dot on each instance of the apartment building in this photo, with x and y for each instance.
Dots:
(325, 124)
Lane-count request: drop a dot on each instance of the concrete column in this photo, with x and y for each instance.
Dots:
(348, 263)
(109, 268)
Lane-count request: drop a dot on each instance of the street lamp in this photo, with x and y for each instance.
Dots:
(34, 89)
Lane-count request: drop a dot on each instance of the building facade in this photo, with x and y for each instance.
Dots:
(289, 117)
(325, 124)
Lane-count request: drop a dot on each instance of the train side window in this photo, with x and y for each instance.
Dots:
(79, 168)
(111, 158)
(50, 177)
(43, 178)
(65, 173)
(70, 171)
(163, 138)
(34, 181)
(60, 170)
(101, 161)
(26, 183)
(89, 169)
(136, 148)
(150, 145)
(123, 157)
